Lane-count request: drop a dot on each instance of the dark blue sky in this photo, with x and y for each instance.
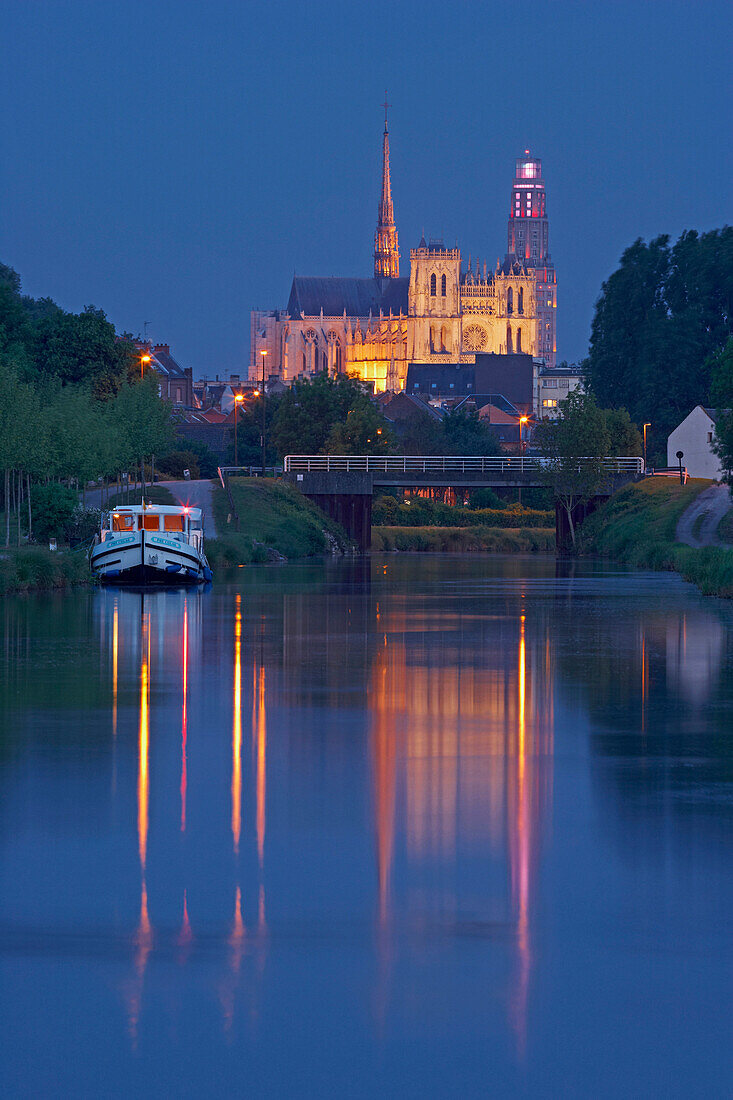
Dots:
(176, 161)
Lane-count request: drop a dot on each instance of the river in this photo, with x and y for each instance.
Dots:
(401, 825)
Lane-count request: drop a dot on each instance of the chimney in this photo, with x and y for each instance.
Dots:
(164, 349)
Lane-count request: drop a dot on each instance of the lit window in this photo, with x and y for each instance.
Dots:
(549, 403)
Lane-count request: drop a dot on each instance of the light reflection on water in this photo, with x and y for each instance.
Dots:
(443, 838)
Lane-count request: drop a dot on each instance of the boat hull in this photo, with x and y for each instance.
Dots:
(139, 559)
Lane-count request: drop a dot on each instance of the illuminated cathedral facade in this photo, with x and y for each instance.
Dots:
(442, 312)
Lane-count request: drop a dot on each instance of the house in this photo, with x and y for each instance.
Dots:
(553, 385)
(694, 437)
(175, 383)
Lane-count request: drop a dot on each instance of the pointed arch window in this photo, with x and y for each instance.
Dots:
(443, 286)
(433, 285)
(509, 348)
(510, 301)
(338, 357)
(520, 300)
(519, 339)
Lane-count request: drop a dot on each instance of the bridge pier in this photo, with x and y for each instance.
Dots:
(344, 497)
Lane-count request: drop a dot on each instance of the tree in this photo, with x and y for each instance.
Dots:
(311, 409)
(364, 431)
(659, 319)
(625, 436)
(721, 372)
(464, 433)
(575, 445)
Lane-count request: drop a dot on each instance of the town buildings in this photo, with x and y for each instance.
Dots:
(442, 312)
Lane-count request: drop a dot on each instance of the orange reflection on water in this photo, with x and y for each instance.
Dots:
(237, 728)
(520, 848)
(184, 718)
(261, 765)
(143, 743)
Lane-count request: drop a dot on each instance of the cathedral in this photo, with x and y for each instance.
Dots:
(442, 312)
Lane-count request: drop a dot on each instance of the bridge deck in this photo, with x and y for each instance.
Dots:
(447, 470)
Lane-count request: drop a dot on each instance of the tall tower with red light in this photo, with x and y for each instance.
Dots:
(528, 243)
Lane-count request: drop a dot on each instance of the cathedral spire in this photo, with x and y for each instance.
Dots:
(386, 254)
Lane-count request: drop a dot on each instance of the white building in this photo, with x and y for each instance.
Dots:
(694, 437)
(553, 385)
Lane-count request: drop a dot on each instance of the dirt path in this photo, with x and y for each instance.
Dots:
(712, 505)
(199, 494)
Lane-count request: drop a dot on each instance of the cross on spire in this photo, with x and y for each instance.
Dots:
(386, 105)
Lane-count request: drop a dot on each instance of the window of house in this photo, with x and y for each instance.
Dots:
(549, 403)
(550, 383)
(452, 386)
(710, 437)
(433, 385)
(433, 282)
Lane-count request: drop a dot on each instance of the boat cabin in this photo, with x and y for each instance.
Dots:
(182, 523)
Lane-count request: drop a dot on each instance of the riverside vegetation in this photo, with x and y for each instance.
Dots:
(638, 524)
(276, 522)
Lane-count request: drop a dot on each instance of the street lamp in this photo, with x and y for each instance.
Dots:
(647, 425)
(145, 359)
(263, 353)
(238, 399)
(522, 444)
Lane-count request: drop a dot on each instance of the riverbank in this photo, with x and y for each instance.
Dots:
(638, 525)
(276, 523)
(33, 568)
(498, 540)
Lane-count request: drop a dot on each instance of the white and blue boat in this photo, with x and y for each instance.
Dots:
(143, 544)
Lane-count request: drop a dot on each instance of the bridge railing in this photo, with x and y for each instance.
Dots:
(440, 464)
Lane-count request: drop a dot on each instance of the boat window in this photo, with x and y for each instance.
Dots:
(172, 523)
(122, 523)
(149, 523)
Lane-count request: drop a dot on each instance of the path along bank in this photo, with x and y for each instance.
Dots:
(643, 523)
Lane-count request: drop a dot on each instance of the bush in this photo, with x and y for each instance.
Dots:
(386, 511)
(82, 526)
(175, 462)
(53, 507)
(458, 540)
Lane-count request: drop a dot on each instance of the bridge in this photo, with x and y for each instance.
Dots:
(494, 471)
(343, 485)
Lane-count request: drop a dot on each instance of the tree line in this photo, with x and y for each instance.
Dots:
(74, 405)
(661, 322)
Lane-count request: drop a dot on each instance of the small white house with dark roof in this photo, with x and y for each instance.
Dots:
(694, 437)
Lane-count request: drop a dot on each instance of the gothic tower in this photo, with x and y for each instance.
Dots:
(528, 243)
(386, 254)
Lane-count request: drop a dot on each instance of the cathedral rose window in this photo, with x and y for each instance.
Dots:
(474, 338)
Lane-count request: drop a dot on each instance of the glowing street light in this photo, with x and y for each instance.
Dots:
(263, 353)
(145, 361)
(238, 399)
(647, 425)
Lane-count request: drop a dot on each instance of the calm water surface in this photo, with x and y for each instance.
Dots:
(407, 826)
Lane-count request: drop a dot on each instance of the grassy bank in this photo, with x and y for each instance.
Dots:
(638, 525)
(34, 567)
(389, 512)
(460, 539)
(275, 521)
